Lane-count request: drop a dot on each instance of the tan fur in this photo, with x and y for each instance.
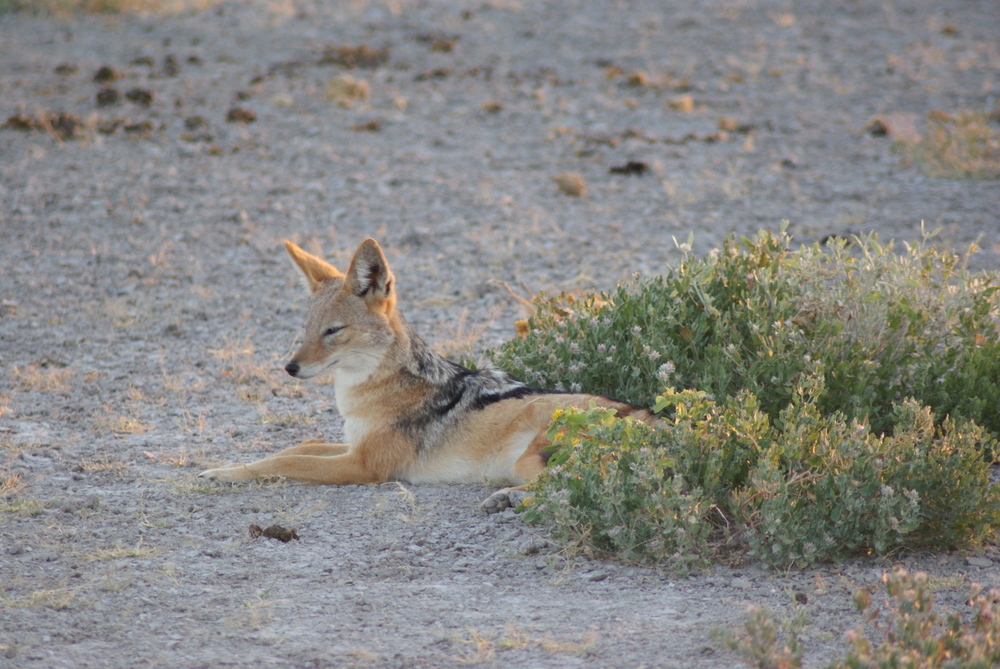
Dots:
(409, 414)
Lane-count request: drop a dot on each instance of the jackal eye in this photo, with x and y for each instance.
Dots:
(332, 331)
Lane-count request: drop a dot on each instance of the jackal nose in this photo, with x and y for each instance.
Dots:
(292, 368)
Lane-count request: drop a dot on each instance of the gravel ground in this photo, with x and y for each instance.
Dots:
(146, 308)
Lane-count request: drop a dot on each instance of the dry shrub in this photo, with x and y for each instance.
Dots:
(36, 377)
(345, 90)
(963, 145)
(110, 421)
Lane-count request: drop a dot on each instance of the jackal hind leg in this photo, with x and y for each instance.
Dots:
(527, 468)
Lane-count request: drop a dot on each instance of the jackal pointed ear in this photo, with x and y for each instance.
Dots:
(369, 276)
(314, 270)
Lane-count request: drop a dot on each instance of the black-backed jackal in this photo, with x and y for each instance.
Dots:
(409, 414)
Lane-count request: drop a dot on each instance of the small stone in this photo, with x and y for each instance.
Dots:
(361, 56)
(571, 183)
(240, 115)
(107, 127)
(66, 126)
(631, 168)
(108, 96)
(740, 582)
(345, 90)
(801, 598)
(170, 66)
(977, 561)
(141, 128)
(21, 122)
(444, 45)
(638, 79)
(107, 73)
(877, 128)
(373, 125)
(682, 103)
(531, 546)
(140, 96)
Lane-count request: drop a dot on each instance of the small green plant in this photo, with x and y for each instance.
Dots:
(764, 643)
(914, 633)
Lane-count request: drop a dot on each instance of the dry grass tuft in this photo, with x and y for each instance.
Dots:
(191, 424)
(258, 615)
(270, 418)
(57, 599)
(20, 506)
(104, 464)
(10, 483)
(403, 500)
(345, 90)
(581, 647)
(482, 648)
(109, 421)
(239, 366)
(179, 458)
(140, 550)
(35, 377)
(963, 145)
(513, 638)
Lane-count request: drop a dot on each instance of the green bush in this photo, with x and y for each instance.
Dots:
(723, 477)
(914, 634)
(754, 315)
(831, 405)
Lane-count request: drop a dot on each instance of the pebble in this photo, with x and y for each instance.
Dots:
(977, 561)
(531, 546)
(92, 502)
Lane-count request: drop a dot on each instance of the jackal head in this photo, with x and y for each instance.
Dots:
(352, 321)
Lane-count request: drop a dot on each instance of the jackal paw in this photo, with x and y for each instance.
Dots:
(230, 474)
(504, 499)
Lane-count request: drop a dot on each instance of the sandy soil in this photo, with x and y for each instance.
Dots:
(146, 309)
